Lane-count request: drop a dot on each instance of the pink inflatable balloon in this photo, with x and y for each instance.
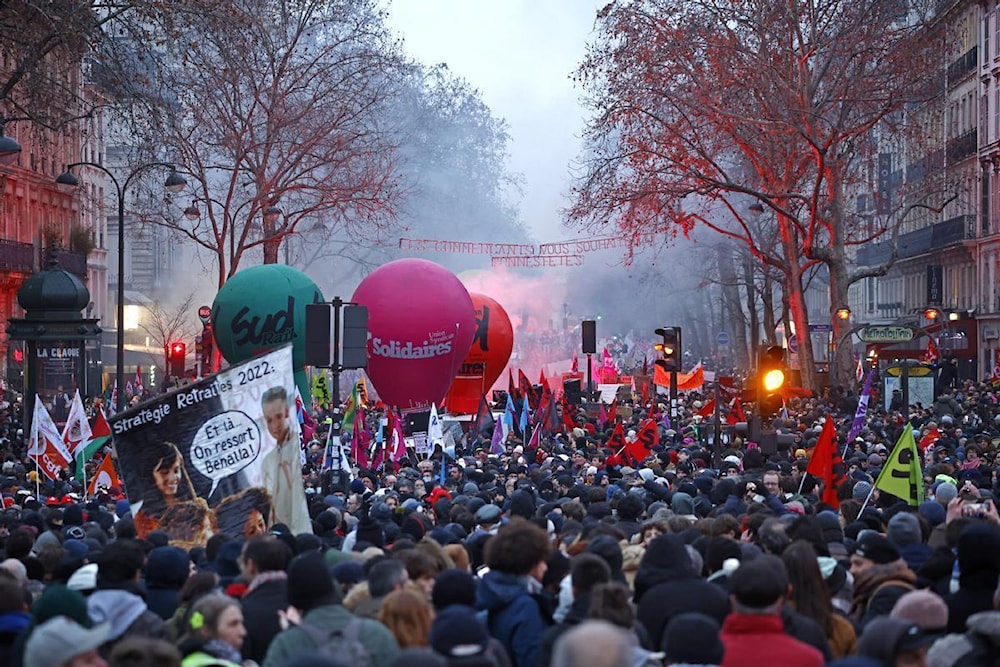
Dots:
(420, 326)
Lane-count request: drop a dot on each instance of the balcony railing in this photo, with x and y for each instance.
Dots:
(16, 256)
(962, 147)
(963, 65)
(927, 239)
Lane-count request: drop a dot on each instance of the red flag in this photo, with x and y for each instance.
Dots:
(645, 394)
(541, 379)
(932, 436)
(482, 425)
(527, 392)
(602, 417)
(568, 413)
(575, 366)
(104, 476)
(736, 413)
(617, 440)
(100, 427)
(613, 409)
(827, 464)
(707, 410)
(550, 417)
(511, 387)
(646, 438)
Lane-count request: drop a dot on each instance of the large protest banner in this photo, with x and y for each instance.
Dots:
(219, 455)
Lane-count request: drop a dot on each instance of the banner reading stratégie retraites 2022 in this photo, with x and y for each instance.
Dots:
(219, 455)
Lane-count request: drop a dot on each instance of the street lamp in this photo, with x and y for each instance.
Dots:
(174, 183)
(843, 313)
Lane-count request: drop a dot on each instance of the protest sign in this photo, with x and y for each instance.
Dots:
(219, 455)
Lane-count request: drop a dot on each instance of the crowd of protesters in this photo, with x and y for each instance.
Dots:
(560, 554)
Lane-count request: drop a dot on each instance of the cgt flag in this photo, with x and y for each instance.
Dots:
(901, 475)
(104, 477)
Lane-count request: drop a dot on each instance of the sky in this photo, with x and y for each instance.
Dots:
(519, 54)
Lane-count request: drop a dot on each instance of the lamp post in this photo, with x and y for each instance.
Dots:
(174, 183)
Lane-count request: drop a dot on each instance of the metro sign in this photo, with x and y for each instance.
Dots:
(885, 334)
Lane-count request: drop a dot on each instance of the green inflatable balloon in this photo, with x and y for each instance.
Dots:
(261, 308)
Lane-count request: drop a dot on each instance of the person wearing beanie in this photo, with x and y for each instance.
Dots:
(904, 532)
(978, 546)
(453, 586)
(945, 492)
(753, 633)
(458, 636)
(924, 609)
(861, 491)
(692, 639)
(881, 577)
(894, 641)
(311, 591)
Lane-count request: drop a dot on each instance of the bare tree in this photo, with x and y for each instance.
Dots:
(275, 111)
(711, 103)
(165, 324)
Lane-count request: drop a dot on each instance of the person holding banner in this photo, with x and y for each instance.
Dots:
(281, 469)
(164, 484)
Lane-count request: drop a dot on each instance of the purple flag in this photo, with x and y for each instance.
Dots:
(496, 444)
(602, 417)
(666, 421)
(859, 415)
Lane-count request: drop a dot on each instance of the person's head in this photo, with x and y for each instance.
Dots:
(144, 652)
(759, 587)
(120, 563)
(872, 549)
(408, 615)
(274, 404)
(310, 584)
(519, 548)
(62, 642)
(895, 642)
(386, 576)
(593, 643)
(217, 617)
(772, 482)
(586, 571)
(692, 638)
(808, 589)
(611, 602)
(264, 553)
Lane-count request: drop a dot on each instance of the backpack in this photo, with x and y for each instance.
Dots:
(342, 645)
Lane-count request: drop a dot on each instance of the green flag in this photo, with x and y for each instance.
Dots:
(901, 475)
(85, 453)
(350, 412)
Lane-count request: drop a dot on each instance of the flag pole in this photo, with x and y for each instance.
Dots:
(867, 498)
(802, 482)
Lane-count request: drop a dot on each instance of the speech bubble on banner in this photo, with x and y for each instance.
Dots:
(224, 445)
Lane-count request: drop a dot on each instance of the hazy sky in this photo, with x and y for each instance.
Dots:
(519, 54)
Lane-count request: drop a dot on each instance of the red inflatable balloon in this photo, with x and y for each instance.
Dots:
(420, 325)
(488, 356)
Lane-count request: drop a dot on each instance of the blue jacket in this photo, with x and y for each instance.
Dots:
(514, 616)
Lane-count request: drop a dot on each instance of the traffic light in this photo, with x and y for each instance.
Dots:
(669, 348)
(178, 354)
(771, 376)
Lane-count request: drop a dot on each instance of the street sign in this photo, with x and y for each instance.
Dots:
(885, 334)
(793, 343)
(205, 314)
(820, 328)
(722, 338)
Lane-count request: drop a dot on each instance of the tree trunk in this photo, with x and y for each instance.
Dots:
(751, 287)
(796, 300)
(735, 324)
(842, 364)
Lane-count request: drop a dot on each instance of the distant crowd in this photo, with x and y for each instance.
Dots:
(565, 554)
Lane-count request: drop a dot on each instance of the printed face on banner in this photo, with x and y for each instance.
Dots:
(219, 455)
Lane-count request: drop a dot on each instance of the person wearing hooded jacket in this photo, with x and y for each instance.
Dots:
(166, 571)
(118, 599)
(667, 585)
(511, 592)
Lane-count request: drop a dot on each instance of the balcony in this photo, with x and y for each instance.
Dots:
(963, 65)
(930, 238)
(964, 146)
(16, 256)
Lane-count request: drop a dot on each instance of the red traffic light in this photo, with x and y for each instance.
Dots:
(177, 348)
